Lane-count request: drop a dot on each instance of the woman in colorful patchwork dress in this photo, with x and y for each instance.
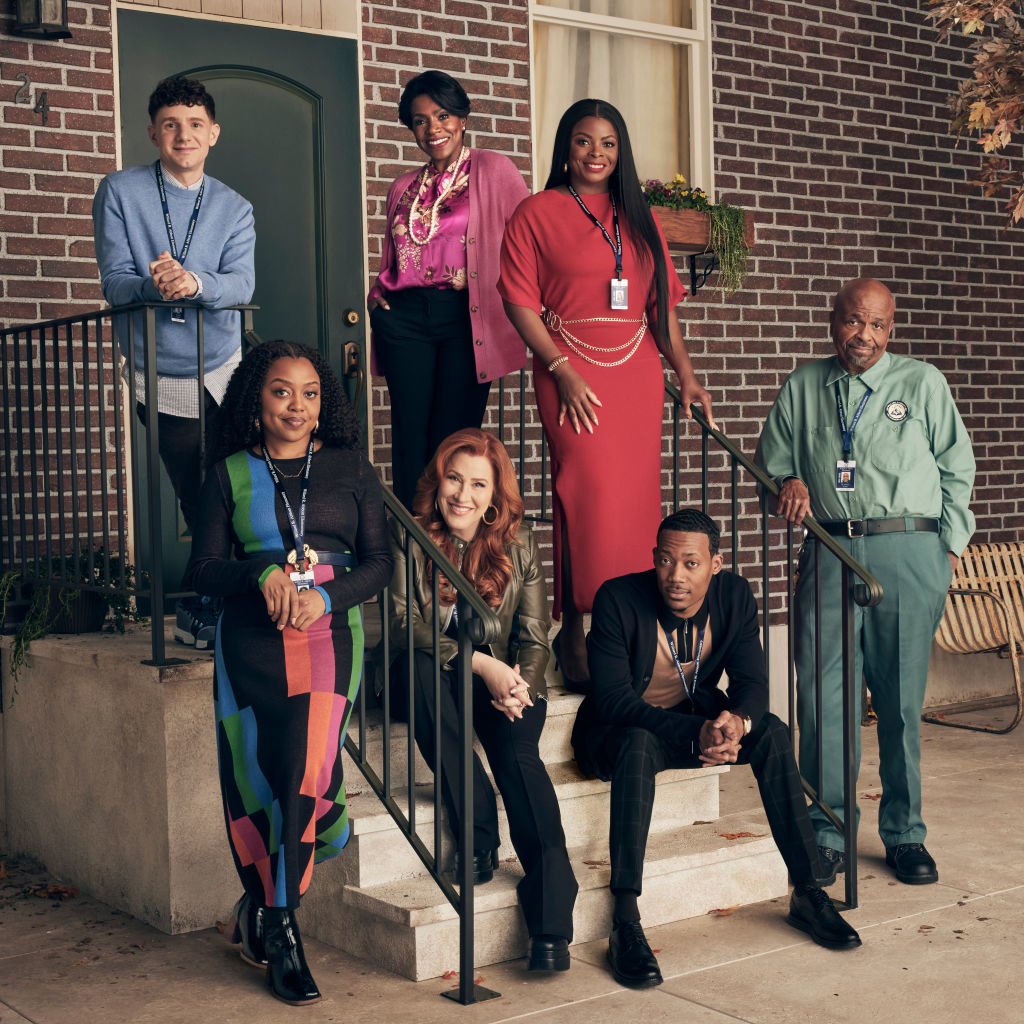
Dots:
(589, 284)
(290, 495)
(440, 335)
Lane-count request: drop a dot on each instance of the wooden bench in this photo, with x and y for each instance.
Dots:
(985, 614)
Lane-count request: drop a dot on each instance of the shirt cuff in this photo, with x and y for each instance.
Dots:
(199, 285)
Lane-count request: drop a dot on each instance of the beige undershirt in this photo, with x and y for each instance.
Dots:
(665, 689)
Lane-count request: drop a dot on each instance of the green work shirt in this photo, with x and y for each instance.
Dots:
(912, 451)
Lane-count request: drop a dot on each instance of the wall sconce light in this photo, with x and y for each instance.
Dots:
(43, 19)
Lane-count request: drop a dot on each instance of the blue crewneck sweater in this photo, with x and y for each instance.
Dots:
(129, 231)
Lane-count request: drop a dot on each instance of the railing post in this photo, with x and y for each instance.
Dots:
(851, 722)
(156, 568)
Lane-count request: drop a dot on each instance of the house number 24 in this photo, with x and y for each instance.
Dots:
(24, 95)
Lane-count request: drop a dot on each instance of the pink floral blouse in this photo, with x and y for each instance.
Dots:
(441, 262)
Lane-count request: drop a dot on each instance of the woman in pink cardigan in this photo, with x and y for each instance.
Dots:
(440, 334)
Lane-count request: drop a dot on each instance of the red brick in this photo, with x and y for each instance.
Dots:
(34, 245)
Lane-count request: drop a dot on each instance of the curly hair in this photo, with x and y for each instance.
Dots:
(624, 185)
(691, 520)
(242, 402)
(486, 563)
(180, 91)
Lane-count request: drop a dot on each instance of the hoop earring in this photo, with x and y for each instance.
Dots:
(492, 521)
(565, 167)
(316, 427)
(257, 426)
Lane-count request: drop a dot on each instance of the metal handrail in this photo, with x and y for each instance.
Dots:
(477, 624)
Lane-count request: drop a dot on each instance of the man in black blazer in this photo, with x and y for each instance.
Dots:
(659, 643)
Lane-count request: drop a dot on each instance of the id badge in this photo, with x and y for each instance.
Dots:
(845, 475)
(178, 315)
(302, 580)
(620, 293)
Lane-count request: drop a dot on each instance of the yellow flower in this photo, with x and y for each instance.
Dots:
(679, 180)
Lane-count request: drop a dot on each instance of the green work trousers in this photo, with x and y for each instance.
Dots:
(892, 643)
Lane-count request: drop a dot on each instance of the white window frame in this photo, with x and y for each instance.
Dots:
(697, 41)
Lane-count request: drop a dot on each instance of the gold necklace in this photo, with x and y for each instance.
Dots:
(417, 210)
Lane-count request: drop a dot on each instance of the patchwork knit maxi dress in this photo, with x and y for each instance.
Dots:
(283, 697)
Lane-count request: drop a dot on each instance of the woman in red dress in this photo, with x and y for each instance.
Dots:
(588, 283)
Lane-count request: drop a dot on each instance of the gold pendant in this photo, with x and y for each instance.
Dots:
(309, 556)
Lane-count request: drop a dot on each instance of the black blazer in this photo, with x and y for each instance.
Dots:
(622, 645)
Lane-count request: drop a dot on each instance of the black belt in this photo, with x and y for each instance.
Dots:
(345, 558)
(869, 527)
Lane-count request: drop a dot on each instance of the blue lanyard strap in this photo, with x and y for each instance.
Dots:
(692, 688)
(617, 244)
(167, 216)
(848, 433)
(298, 528)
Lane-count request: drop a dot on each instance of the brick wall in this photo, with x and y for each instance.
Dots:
(485, 45)
(832, 125)
(49, 172)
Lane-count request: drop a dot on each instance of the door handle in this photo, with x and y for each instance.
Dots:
(353, 367)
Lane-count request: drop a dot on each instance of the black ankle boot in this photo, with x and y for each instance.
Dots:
(246, 927)
(288, 975)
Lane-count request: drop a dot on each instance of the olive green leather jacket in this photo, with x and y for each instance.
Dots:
(525, 599)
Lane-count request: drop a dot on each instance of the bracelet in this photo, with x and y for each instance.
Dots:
(556, 363)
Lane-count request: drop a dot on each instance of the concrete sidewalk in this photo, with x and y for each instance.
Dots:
(933, 953)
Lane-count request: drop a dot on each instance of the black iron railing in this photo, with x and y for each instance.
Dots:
(73, 515)
(477, 624)
(724, 472)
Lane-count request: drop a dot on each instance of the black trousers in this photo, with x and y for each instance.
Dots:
(634, 756)
(179, 452)
(425, 349)
(547, 890)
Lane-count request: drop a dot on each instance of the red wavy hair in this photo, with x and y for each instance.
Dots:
(486, 563)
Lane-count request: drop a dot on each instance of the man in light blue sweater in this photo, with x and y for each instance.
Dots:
(167, 231)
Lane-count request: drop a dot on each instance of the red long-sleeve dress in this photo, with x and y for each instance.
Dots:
(606, 485)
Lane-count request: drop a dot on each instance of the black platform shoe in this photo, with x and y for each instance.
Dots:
(288, 974)
(246, 927)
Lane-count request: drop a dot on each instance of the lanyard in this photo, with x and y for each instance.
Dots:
(617, 244)
(167, 216)
(692, 688)
(848, 433)
(298, 528)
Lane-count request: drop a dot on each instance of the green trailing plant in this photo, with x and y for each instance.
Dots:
(48, 601)
(726, 238)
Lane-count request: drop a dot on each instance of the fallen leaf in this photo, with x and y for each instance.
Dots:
(358, 792)
(723, 911)
(448, 975)
(982, 918)
(700, 822)
(655, 950)
(743, 835)
(958, 931)
(925, 928)
(871, 796)
(53, 891)
(595, 863)
(221, 926)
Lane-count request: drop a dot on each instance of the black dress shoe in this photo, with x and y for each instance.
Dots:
(246, 927)
(288, 974)
(549, 953)
(632, 962)
(573, 685)
(834, 862)
(913, 863)
(484, 864)
(811, 910)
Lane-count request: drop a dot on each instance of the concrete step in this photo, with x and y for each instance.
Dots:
(378, 853)
(409, 927)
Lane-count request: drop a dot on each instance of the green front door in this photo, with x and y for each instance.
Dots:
(288, 107)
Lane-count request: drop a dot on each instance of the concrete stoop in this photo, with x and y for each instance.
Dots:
(377, 901)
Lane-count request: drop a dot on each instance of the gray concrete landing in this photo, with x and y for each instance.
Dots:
(932, 954)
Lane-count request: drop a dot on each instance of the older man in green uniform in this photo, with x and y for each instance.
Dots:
(872, 446)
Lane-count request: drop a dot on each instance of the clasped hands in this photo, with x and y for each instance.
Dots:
(510, 692)
(720, 739)
(172, 280)
(289, 606)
